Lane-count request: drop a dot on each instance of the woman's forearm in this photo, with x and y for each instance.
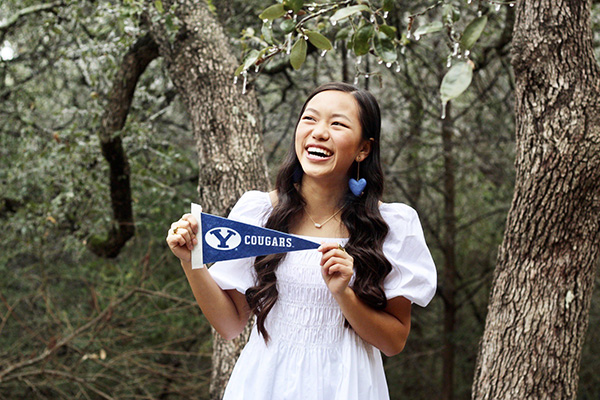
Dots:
(227, 312)
(383, 330)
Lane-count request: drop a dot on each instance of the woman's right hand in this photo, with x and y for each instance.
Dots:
(181, 238)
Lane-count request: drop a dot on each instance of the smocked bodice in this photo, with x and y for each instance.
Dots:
(305, 312)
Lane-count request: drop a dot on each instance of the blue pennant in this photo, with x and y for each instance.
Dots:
(225, 239)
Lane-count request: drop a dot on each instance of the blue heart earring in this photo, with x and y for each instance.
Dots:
(358, 185)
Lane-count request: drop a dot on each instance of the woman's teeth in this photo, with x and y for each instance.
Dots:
(317, 151)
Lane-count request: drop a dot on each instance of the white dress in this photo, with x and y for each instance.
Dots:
(310, 354)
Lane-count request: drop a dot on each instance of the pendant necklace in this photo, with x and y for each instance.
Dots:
(317, 225)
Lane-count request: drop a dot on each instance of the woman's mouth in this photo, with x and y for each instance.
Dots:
(318, 153)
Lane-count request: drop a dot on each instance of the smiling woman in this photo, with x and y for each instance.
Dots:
(322, 316)
(329, 137)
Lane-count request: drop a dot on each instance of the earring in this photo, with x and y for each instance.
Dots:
(358, 185)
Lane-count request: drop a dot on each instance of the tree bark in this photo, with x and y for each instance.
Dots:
(449, 249)
(413, 148)
(227, 129)
(540, 299)
(132, 67)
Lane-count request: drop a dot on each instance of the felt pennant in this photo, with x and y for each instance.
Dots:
(225, 239)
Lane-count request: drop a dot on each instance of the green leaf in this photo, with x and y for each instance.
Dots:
(429, 28)
(450, 14)
(388, 5)
(170, 24)
(385, 48)
(318, 40)
(251, 58)
(472, 32)
(272, 12)
(390, 31)
(294, 5)
(361, 40)
(455, 14)
(287, 25)
(343, 33)
(298, 54)
(348, 11)
(456, 81)
(239, 70)
(267, 32)
(159, 6)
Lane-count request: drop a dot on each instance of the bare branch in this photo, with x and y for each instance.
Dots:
(5, 373)
(14, 19)
(66, 375)
(132, 67)
(165, 296)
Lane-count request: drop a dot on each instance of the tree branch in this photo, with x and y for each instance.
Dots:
(133, 66)
(14, 19)
(5, 373)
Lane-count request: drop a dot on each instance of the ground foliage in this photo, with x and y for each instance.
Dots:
(77, 326)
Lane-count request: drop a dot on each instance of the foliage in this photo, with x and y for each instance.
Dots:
(60, 336)
(364, 28)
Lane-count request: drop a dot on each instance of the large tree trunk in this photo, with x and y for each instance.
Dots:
(226, 127)
(538, 310)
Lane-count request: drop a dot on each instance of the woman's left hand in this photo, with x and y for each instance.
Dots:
(337, 267)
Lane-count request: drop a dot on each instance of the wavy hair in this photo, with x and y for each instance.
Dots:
(366, 227)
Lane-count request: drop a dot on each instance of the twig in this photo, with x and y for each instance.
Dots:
(4, 374)
(6, 25)
(164, 296)
(63, 375)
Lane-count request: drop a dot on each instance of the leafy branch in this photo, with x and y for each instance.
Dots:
(362, 26)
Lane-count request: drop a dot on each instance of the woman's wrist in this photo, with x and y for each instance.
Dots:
(345, 295)
(186, 265)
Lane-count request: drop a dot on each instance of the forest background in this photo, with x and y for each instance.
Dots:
(84, 317)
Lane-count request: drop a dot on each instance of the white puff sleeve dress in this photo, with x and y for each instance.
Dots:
(310, 354)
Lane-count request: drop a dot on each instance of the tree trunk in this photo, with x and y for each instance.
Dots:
(540, 299)
(449, 248)
(412, 150)
(227, 130)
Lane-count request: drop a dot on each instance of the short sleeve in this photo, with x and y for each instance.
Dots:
(413, 274)
(252, 208)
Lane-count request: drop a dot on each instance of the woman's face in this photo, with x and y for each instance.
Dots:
(329, 136)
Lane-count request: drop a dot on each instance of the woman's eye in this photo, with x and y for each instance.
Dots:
(340, 124)
(308, 118)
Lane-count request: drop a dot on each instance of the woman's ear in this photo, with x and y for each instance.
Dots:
(365, 150)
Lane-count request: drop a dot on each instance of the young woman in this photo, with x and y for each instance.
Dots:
(322, 316)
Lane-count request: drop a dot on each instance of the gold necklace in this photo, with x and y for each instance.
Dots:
(317, 225)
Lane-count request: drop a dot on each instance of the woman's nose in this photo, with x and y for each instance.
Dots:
(320, 132)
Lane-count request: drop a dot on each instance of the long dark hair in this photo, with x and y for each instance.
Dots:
(367, 228)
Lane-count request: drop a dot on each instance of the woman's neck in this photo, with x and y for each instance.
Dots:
(322, 213)
(322, 198)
